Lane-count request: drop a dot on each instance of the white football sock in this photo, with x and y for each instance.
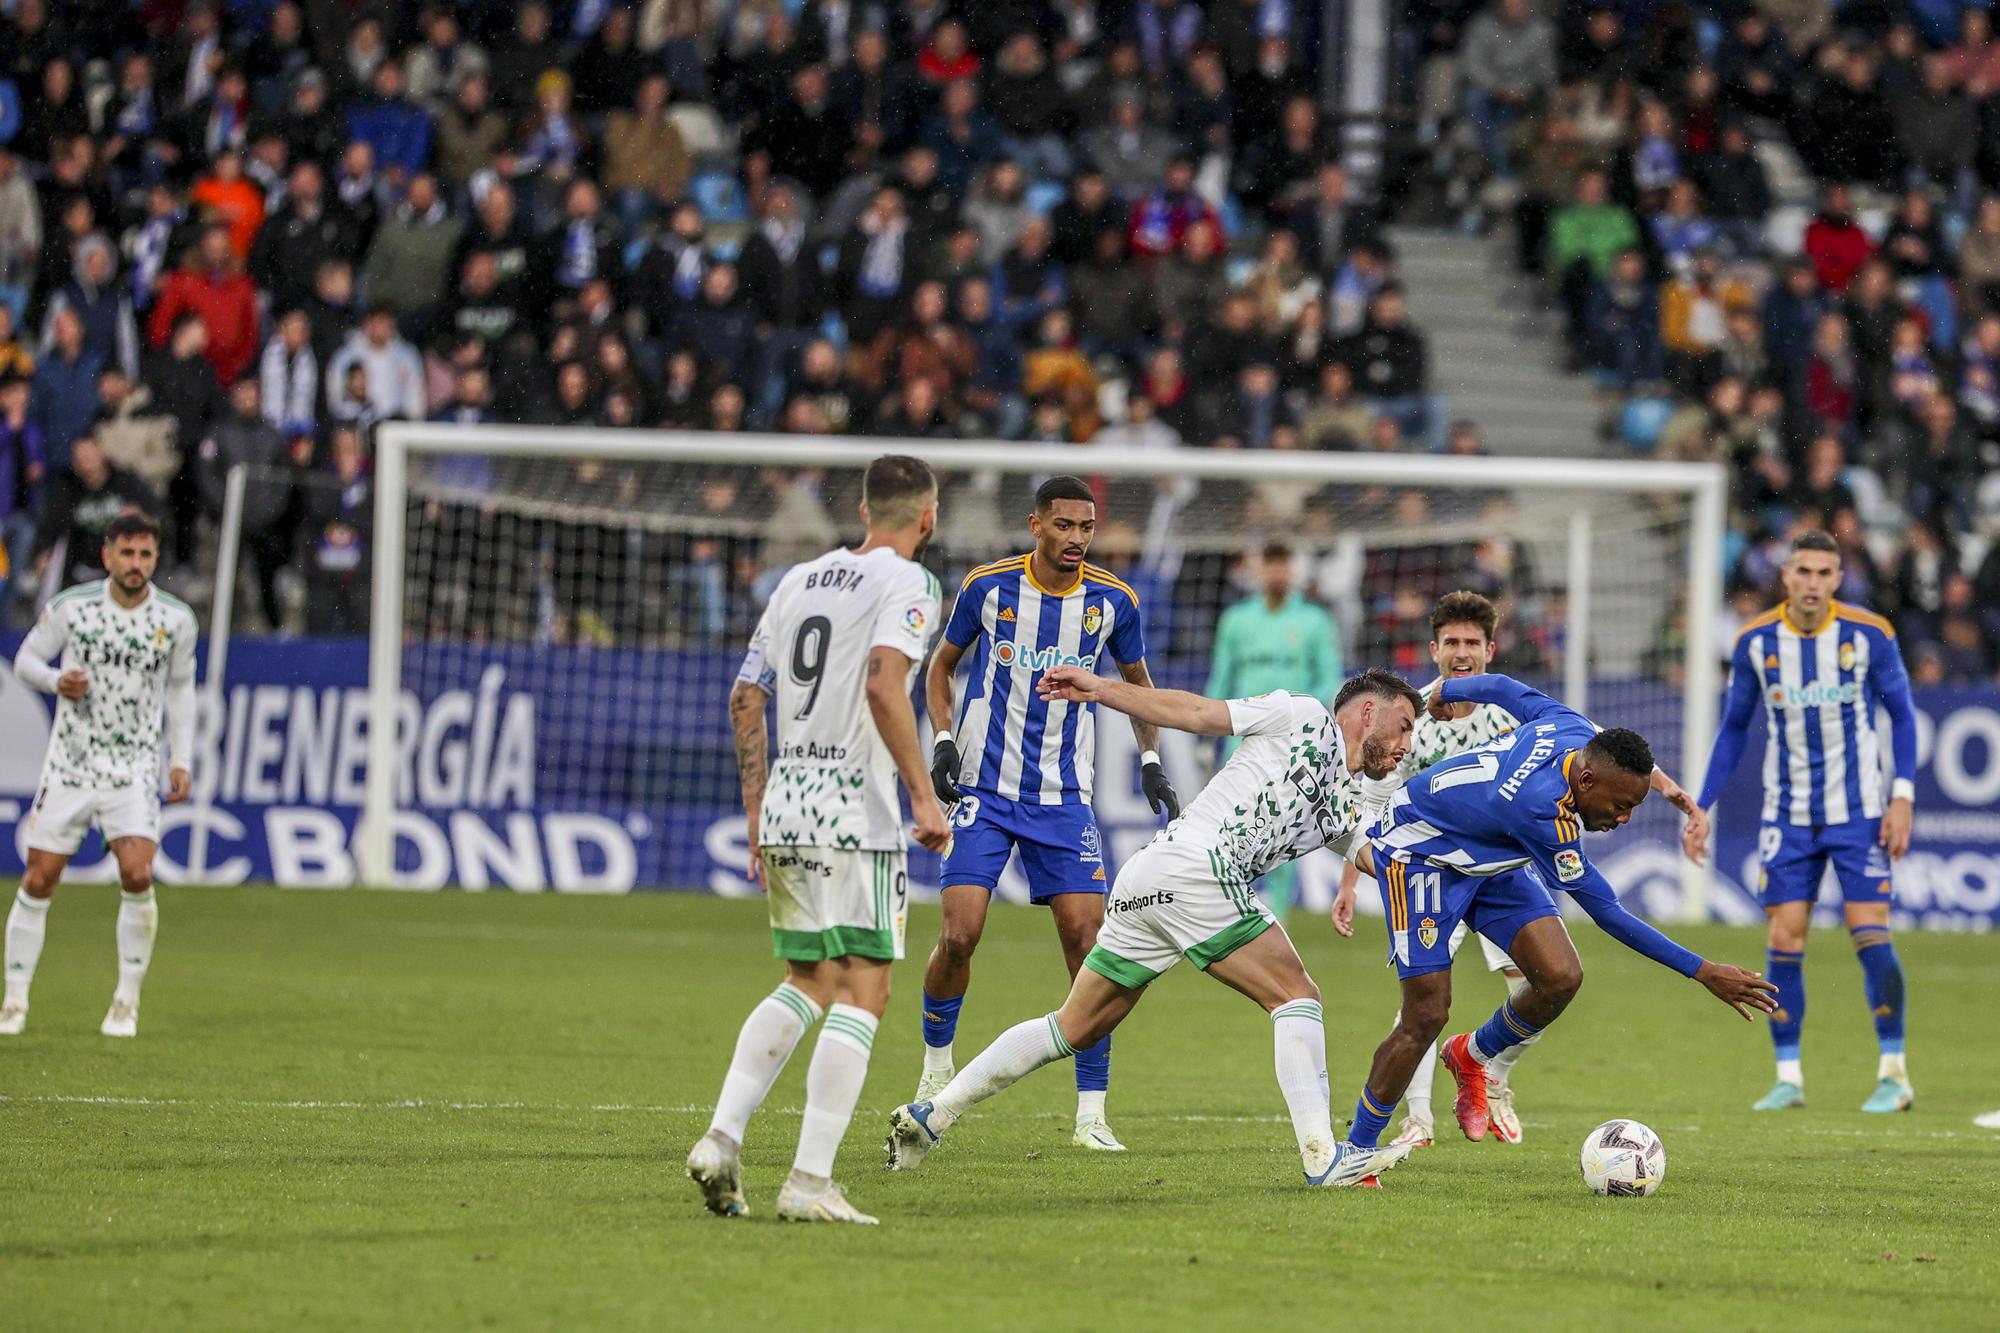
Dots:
(27, 926)
(1298, 1036)
(1502, 1064)
(1792, 1072)
(1418, 1095)
(138, 924)
(833, 1085)
(762, 1047)
(937, 1059)
(1014, 1054)
(1892, 1066)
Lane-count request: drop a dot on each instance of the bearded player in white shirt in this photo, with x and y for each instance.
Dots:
(1464, 638)
(127, 665)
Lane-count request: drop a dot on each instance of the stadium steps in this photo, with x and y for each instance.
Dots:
(1491, 356)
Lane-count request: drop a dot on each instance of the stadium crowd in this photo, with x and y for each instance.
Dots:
(248, 232)
(1772, 231)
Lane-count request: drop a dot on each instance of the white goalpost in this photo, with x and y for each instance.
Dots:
(625, 565)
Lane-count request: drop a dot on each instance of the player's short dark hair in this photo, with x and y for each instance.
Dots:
(1816, 540)
(1382, 684)
(1465, 608)
(897, 488)
(1623, 748)
(1062, 488)
(132, 524)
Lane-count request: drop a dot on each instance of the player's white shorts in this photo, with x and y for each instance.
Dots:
(1172, 901)
(1496, 957)
(829, 902)
(62, 815)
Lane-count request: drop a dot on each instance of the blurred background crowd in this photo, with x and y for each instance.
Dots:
(247, 232)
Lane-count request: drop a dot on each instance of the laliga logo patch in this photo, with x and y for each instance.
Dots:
(1092, 618)
(1847, 656)
(1569, 865)
(1427, 932)
(914, 618)
(1093, 844)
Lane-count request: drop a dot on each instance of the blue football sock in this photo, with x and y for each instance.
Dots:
(1504, 1029)
(940, 1019)
(1370, 1118)
(1883, 973)
(1093, 1066)
(1787, 971)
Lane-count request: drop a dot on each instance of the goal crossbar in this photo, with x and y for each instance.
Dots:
(1702, 485)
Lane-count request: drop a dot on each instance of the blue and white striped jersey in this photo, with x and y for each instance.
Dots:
(1014, 744)
(1823, 756)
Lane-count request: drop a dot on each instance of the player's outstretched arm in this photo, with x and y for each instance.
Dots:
(896, 722)
(1740, 990)
(1524, 701)
(1162, 708)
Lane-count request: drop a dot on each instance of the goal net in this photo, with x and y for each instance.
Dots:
(558, 615)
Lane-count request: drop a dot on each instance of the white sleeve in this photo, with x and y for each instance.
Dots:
(757, 669)
(180, 699)
(35, 661)
(907, 618)
(1276, 711)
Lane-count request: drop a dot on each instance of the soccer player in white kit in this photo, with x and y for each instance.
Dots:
(1294, 785)
(127, 657)
(838, 647)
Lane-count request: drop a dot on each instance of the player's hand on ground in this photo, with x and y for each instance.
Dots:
(1694, 836)
(933, 829)
(1895, 835)
(1740, 990)
(1343, 912)
(1070, 684)
(179, 783)
(1159, 791)
(944, 769)
(72, 684)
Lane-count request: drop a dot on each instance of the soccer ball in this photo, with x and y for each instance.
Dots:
(1623, 1157)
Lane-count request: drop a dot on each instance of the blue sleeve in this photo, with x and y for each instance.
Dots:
(1526, 703)
(1735, 732)
(965, 623)
(1594, 894)
(1891, 683)
(1128, 636)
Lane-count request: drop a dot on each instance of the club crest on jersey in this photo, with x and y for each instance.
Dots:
(1569, 865)
(1427, 932)
(1847, 657)
(1092, 618)
(1092, 844)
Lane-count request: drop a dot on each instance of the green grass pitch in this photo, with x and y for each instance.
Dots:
(463, 1111)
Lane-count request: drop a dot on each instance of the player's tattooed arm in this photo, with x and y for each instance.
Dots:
(746, 721)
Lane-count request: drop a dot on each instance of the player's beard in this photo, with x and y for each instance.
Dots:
(1378, 759)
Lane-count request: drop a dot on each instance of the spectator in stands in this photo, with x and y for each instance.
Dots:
(392, 374)
(20, 232)
(339, 519)
(1694, 320)
(1510, 65)
(300, 236)
(65, 386)
(396, 129)
(211, 283)
(82, 499)
(1835, 242)
(243, 437)
(409, 263)
(1834, 382)
(1737, 190)
(1128, 152)
(288, 376)
(1585, 239)
(22, 466)
(1336, 418)
(1391, 364)
(1623, 326)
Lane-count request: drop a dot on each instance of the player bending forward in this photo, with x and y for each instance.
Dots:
(127, 651)
(838, 646)
(1463, 641)
(1822, 669)
(1293, 786)
(1480, 839)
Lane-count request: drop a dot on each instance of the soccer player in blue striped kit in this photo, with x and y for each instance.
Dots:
(1823, 669)
(1017, 772)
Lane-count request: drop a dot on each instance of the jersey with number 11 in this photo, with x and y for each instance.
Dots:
(833, 783)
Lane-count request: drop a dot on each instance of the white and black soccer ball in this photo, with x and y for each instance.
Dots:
(1624, 1158)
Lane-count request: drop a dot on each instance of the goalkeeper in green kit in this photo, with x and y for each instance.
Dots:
(1277, 640)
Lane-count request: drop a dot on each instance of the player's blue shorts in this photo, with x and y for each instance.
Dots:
(1794, 858)
(1059, 844)
(1425, 902)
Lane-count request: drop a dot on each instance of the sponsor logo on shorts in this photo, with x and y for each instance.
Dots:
(1569, 866)
(1158, 898)
(1427, 932)
(801, 862)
